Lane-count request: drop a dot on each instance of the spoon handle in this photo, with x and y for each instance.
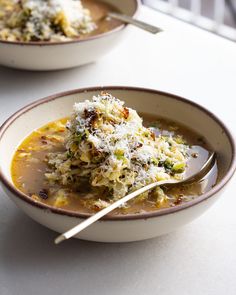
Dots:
(135, 22)
(78, 228)
(81, 226)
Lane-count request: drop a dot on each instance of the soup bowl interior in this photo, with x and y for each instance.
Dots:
(45, 56)
(20, 125)
(124, 6)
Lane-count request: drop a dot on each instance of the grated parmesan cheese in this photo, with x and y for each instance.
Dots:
(50, 20)
(108, 144)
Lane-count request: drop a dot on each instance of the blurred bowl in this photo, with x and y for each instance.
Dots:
(126, 227)
(45, 56)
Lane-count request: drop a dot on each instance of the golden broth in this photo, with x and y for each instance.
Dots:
(99, 11)
(29, 168)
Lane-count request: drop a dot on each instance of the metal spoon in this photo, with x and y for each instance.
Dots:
(129, 20)
(192, 177)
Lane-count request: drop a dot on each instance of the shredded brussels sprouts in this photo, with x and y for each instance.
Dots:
(108, 146)
(43, 20)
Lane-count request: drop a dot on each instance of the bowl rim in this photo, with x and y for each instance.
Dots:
(76, 40)
(146, 215)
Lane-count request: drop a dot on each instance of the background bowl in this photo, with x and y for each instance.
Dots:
(129, 227)
(44, 56)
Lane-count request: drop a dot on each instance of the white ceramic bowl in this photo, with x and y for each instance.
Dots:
(44, 56)
(129, 227)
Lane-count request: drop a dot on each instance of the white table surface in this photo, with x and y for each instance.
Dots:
(200, 258)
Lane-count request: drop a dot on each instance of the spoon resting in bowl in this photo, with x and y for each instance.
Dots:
(193, 174)
(130, 20)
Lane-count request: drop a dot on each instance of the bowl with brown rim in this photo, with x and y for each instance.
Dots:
(46, 55)
(120, 228)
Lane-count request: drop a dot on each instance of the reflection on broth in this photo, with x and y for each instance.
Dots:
(99, 11)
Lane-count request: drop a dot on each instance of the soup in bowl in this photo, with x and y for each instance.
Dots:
(80, 151)
(56, 34)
